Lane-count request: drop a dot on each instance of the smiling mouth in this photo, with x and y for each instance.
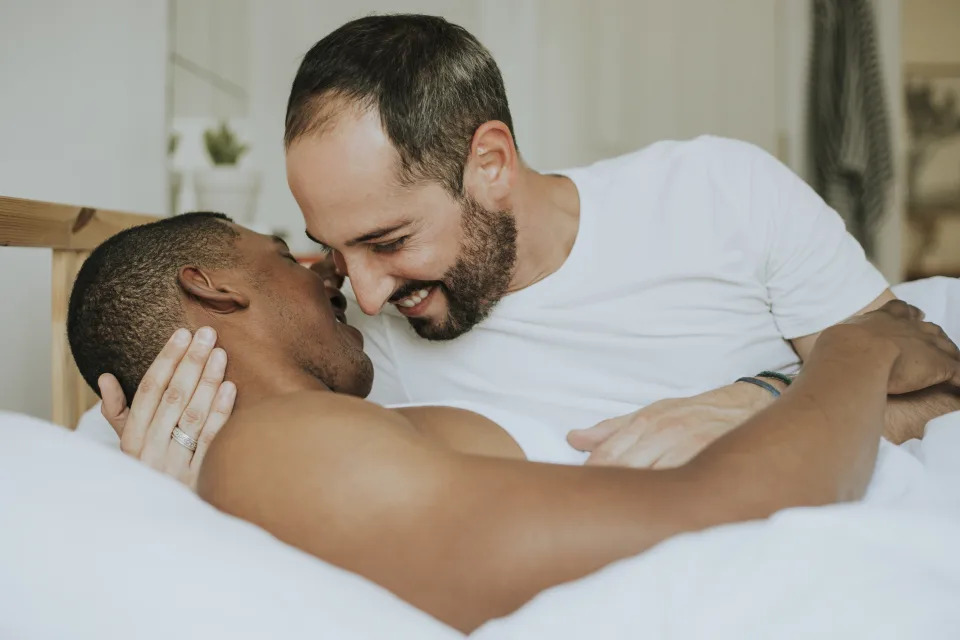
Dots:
(414, 303)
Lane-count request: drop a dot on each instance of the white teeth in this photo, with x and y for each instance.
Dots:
(414, 299)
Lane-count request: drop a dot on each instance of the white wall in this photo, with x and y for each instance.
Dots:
(82, 120)
(890, 235)
(210, 38)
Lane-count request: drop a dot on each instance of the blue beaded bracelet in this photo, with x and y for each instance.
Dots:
(763, 385)
(776, 375)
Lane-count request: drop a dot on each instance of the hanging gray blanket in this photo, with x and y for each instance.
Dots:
(847, 131)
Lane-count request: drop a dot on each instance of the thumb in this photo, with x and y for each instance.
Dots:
(589, 439)
(114, 406)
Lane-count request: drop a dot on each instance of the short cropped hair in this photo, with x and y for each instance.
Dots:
(432, 84)
(125, 302)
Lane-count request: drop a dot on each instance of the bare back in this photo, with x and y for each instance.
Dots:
(462, 430)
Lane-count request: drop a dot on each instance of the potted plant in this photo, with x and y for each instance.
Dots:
(225, 187)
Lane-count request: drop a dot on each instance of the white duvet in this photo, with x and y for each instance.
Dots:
(94, 545)
(888, 567)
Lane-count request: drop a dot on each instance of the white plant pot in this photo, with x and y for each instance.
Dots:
(228, 190)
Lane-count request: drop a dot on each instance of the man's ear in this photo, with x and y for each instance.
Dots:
(492, 164)
(218, 298)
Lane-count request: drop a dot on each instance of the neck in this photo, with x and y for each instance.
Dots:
(547, 211)
(263, 373)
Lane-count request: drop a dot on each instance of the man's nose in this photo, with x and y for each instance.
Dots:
(370, 284)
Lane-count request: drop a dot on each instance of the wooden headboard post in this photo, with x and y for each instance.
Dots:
(72, 232)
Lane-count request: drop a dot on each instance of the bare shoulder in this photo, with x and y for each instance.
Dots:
(306, 429)
(462, 430)
(311, 410)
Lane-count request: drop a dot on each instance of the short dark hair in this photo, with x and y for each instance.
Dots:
(432, 83)
(125, 302)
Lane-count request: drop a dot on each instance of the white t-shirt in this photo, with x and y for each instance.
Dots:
(693, 265)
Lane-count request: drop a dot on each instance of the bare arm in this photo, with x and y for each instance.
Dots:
(804, 344)
(468, 538)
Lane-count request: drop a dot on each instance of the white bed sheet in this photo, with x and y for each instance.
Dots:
(888, 567)
(93, 545)
(96, 546)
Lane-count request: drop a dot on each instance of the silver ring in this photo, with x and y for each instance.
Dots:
(183, 439)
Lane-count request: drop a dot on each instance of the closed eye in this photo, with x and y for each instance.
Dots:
(390, 247)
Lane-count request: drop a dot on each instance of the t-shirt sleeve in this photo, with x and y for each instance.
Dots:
(387, 388)
(816, 273)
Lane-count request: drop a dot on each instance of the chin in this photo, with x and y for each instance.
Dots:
(437, 331)
(361, 382)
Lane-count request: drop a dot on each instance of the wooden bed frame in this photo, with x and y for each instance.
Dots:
(71, 232)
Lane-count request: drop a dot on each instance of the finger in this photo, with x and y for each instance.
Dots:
(114, 406)
(943, 340)
(219, 414)
(947, 345)
(609, 452)
(591, 438)
(174, 400)
(152, 386)
(195, 415)
(901, 309)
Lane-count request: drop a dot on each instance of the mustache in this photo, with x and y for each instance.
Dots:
(412, 287)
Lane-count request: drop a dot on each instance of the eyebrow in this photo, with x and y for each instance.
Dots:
(367, 237)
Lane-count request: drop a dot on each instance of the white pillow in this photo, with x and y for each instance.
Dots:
(95, 545)
(93, 425)
(939, 298)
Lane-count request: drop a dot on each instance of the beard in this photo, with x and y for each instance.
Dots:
(479, 278)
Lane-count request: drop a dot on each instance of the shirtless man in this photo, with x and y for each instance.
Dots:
(438, 504)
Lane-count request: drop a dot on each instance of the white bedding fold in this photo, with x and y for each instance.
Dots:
(888, 567)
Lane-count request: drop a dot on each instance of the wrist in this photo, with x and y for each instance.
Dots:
(755, 395)
(853, 343)
(778, 383)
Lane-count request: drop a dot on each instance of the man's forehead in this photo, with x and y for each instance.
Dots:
(348, 159)
(346, 180)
